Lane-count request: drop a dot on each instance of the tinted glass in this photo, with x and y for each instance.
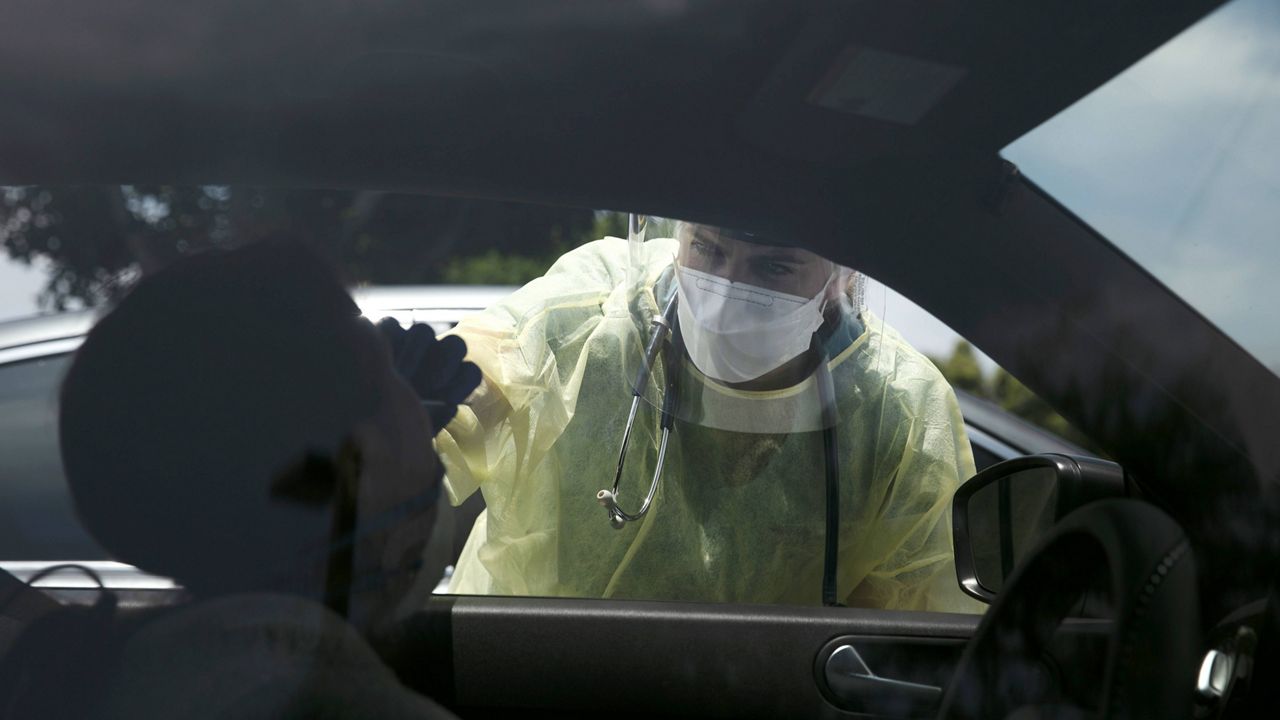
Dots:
(1177, 162)
(37, 521)
(1006, 518)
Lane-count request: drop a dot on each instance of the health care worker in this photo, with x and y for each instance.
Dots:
(738, 510)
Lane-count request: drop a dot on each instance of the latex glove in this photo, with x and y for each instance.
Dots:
(433, 367)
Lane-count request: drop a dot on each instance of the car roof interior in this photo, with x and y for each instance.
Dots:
(675, 107)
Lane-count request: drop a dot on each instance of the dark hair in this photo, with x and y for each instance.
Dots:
(198, 389)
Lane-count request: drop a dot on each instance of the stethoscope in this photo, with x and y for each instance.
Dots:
(658, 342)
(664, 339)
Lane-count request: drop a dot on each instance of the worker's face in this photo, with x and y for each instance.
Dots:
(398, 466)
(789, 270)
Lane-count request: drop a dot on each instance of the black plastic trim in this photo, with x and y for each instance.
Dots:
(641, 658)
(1081, 480)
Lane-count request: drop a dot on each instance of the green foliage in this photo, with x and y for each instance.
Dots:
(964, 372)
(97, 239)
(498, 268)
(495, 268)
(609, 224)
(1019, 400)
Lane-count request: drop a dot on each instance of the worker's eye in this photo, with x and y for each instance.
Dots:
(708, 254)
(772, 269)
(704, 248)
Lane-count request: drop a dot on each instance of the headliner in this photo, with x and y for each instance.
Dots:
(690, 108)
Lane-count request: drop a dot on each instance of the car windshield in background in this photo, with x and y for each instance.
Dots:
(1175, 162)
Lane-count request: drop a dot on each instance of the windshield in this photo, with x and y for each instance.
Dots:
(1175, 162)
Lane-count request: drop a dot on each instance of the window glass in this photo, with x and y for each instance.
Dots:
(737, 512)
(711, 389)
(1177, 162)
(37, 521)
(1005, 417)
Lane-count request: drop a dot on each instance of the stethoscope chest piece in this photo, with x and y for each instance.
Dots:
(658, 341)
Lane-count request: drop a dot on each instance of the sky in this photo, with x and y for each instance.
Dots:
(1175, 161)
(925, 332)
(19, 286)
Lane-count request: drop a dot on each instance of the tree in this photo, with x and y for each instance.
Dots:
(963, 371)
(498, 268)
(1019, 400)
(98, 239)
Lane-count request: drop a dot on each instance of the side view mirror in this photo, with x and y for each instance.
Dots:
(1000, 513)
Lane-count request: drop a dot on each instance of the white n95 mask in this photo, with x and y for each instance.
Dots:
(735, 332)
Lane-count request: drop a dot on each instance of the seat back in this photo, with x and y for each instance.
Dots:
(20, 604)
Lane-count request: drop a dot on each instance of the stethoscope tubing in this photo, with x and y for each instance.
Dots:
(663, 328)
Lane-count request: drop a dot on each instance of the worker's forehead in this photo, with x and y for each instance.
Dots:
(744, 244)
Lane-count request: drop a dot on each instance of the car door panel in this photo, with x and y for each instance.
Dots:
(500, 656)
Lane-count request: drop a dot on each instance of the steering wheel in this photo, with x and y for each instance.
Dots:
(1153, 643)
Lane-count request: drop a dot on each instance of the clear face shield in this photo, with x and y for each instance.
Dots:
(736, 336)
(735, 333)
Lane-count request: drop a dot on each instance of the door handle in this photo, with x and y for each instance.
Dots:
(861, 690)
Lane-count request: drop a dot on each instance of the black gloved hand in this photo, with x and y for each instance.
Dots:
(435, 369)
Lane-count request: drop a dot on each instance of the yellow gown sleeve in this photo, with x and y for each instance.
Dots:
(912, 534)
(528, 393)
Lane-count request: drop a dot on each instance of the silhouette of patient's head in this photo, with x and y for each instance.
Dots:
(212, 419)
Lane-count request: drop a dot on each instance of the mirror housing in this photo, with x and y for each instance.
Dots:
(1000, 513)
